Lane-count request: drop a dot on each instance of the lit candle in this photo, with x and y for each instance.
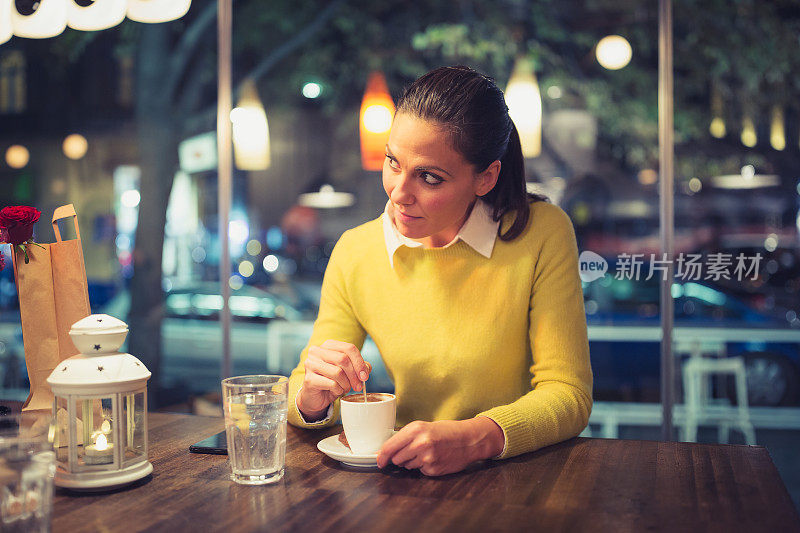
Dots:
(99, 453)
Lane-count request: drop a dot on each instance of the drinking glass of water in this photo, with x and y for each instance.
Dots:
(27, 467)
(255, 424)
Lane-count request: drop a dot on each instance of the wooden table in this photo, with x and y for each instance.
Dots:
(578, 485)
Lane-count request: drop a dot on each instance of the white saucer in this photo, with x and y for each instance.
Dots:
(338, 451)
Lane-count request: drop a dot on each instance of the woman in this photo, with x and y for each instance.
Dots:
(468, 285)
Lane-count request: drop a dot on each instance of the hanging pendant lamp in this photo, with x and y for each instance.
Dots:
(6, 31)
(377, 111)
(777, 135)
(524, 103)
(717, 126)
(47, 19)
(250, 131)
(748, 136)
(155, 11)
(92, 15)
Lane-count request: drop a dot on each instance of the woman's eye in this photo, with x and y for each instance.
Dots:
(431, 179)
(392, 162)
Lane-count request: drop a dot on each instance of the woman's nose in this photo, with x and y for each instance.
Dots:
(402, 193)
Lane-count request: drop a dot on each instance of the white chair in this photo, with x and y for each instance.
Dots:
(700, 407)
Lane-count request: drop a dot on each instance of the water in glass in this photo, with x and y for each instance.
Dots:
(256, 432)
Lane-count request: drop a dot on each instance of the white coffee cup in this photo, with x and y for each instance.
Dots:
(368, 425)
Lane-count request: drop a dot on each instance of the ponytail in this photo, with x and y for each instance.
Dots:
(510, 193)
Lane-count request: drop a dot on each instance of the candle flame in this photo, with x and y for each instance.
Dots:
(101, 443)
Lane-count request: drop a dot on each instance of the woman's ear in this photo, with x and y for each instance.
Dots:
(487, 179)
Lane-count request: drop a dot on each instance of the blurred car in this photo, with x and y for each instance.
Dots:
(629, 370)
(267, 335)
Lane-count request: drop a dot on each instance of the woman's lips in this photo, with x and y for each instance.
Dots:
(405, 218)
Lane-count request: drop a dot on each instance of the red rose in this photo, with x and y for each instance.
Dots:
(18, 221)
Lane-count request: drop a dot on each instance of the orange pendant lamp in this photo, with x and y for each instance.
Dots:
(377, 110)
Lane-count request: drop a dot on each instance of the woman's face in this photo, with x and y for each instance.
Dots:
(430, 185)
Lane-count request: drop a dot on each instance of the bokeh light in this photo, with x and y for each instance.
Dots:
(17, 156)
(130, 198)
(253, 247)
(614, 52)
(312, 90)
(271, 263)
(246, 269)
(75, 146)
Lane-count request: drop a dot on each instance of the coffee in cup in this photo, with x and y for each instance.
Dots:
(367, 425)
(371, 397)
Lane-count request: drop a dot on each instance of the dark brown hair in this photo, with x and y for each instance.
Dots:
(473, 109)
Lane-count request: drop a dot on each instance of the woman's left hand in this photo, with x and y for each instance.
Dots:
(443, 447)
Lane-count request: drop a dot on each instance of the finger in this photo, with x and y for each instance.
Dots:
(322, 383)
(327, 370)
(360, 366)
(416, 462)
(341, 360)
(337, 359)
(431, 470)
(405, 455)
(396, 442)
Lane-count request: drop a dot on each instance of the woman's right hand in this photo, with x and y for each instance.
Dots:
(332, 369)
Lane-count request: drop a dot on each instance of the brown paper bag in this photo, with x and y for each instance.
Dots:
(53, 295)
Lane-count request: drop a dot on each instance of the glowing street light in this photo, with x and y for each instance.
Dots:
(525, 106)
(613, 52)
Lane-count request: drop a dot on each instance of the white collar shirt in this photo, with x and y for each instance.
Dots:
(479, 231)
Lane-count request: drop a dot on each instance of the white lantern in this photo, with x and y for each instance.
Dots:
(100, 409)
(157, 10)
(96, 15)
(47, 20)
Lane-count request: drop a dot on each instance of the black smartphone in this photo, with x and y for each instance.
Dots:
(216, 444)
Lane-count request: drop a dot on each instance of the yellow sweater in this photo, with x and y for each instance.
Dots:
(462, 335)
